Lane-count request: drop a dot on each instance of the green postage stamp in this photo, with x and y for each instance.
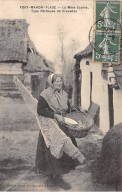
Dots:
(107, 47)
(107, 30)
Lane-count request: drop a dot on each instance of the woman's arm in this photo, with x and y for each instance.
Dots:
(43, 108)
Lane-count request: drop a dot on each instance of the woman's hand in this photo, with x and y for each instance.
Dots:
(59, 118)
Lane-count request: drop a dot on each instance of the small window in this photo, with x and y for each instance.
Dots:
(12, 22)
(28, 49)
(87, 62)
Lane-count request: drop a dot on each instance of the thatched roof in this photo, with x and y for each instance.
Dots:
(36, 62)
(85, 53)
(16, 46)
(12, 40)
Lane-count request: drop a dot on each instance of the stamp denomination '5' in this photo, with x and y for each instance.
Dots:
(107, 31)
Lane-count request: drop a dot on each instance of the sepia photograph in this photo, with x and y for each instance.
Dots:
(60, 96)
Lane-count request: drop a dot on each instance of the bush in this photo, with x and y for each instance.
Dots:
(108, 169)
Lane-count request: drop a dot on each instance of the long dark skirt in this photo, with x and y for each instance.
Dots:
(47, 164)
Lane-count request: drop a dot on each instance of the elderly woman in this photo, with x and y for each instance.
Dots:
(53, 103)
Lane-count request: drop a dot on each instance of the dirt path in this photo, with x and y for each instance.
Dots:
(77, 180)
(30, 181)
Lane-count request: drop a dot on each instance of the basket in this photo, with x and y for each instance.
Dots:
(85, 122)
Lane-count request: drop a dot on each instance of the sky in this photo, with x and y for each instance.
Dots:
(43, 26)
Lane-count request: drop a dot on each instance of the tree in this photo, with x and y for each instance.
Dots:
(60, 55)
(64, 58)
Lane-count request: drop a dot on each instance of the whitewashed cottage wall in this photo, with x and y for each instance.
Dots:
(99, 94)
(85, 84)
(117, 99)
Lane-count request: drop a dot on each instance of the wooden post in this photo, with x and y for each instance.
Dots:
(76, 84)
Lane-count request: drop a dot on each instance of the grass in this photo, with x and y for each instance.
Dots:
(18, 134)
(15, 115)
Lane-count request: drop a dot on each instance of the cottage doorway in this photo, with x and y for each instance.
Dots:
(110, 104)
(91, 81)
(35, 83)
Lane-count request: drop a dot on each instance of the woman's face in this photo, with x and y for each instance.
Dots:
(57, 84)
